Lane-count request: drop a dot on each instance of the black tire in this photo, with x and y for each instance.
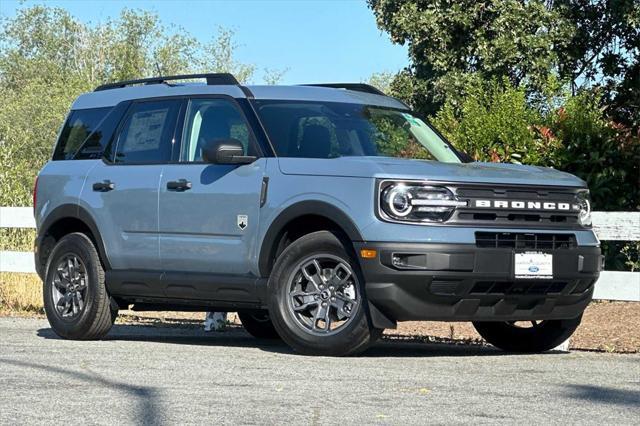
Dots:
(542, 336)
(97, 314)
(355, 334)
(258, 324)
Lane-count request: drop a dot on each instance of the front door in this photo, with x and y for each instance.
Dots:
(209, 212)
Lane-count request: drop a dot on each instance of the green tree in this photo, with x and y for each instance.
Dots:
(583, 43)
(381, 81)
(218, 56)
(273, 76)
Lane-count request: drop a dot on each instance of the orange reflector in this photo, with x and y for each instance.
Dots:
(368, 254)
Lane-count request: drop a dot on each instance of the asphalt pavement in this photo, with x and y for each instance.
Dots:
(155, 375)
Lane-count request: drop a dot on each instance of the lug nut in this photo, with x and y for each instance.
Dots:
(324, 304)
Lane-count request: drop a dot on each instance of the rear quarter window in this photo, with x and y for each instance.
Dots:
(80, 125)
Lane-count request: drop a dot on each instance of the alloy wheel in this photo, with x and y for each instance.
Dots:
(70, 287)
(323, 294)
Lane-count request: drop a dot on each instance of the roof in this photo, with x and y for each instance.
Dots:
(111, 97)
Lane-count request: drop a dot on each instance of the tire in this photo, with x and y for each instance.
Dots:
(258, 324)
(296, 302)
(540, 337)
(89, 315)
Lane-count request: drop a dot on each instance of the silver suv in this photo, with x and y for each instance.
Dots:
(323, 214)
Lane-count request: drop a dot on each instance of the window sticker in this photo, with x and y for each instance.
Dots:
(145, 130)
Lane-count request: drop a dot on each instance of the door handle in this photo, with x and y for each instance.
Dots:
(104, 186)
(179, 185)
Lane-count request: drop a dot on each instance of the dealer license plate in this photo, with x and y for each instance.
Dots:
(534, 265)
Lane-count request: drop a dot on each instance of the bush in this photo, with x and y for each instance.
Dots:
(494, 122)
(603, 153)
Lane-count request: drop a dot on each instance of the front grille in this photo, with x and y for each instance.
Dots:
(518, 288)
(525, 241)
(528, 217)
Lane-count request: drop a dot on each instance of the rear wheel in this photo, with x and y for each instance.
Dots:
(318, 305)
(527, 336)
(75, 296)
(258, 324)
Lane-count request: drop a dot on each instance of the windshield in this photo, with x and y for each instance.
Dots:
(331, 129)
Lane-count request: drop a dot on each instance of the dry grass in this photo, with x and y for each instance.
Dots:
(17, 239)
(20, 293)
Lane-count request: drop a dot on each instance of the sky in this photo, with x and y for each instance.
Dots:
(318, 41)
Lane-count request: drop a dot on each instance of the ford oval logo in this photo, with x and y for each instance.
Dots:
(533, 268)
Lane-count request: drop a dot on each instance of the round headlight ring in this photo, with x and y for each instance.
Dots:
(398, 201)
(584, 216)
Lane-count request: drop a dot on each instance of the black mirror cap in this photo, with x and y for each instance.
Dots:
(226, 151)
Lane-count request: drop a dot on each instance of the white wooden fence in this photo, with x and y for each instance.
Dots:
(609, 226)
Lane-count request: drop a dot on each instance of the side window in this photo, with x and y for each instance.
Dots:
(94, 146)
(209, 121)
(80, 124)
(147, 136)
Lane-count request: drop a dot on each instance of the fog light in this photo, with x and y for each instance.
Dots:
(396, 260)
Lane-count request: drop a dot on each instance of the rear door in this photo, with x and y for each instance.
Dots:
(123, 190)
(209, 212)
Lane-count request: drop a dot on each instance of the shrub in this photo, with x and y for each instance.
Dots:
(494, 122)
(603, 153)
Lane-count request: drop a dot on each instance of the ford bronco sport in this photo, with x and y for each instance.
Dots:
(323, 214)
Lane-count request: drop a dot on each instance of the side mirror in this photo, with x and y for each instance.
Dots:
(226, 151)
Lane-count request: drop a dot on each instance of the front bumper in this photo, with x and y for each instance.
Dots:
(463, 282)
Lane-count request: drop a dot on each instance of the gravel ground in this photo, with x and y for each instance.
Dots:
(180, 375)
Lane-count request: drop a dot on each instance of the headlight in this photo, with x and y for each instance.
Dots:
(584, 203)
(416, 202)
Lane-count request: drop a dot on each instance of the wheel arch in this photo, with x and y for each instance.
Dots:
(300, 219)
(63, 220)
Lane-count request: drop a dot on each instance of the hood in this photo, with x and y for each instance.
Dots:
(399, 168)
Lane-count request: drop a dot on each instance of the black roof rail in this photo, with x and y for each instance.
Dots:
(212, 80)
(358, 87)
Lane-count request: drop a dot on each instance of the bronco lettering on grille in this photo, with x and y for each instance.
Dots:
(528, 205)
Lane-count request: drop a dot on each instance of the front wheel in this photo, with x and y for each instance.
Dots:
(527, 336)
(318, 305)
